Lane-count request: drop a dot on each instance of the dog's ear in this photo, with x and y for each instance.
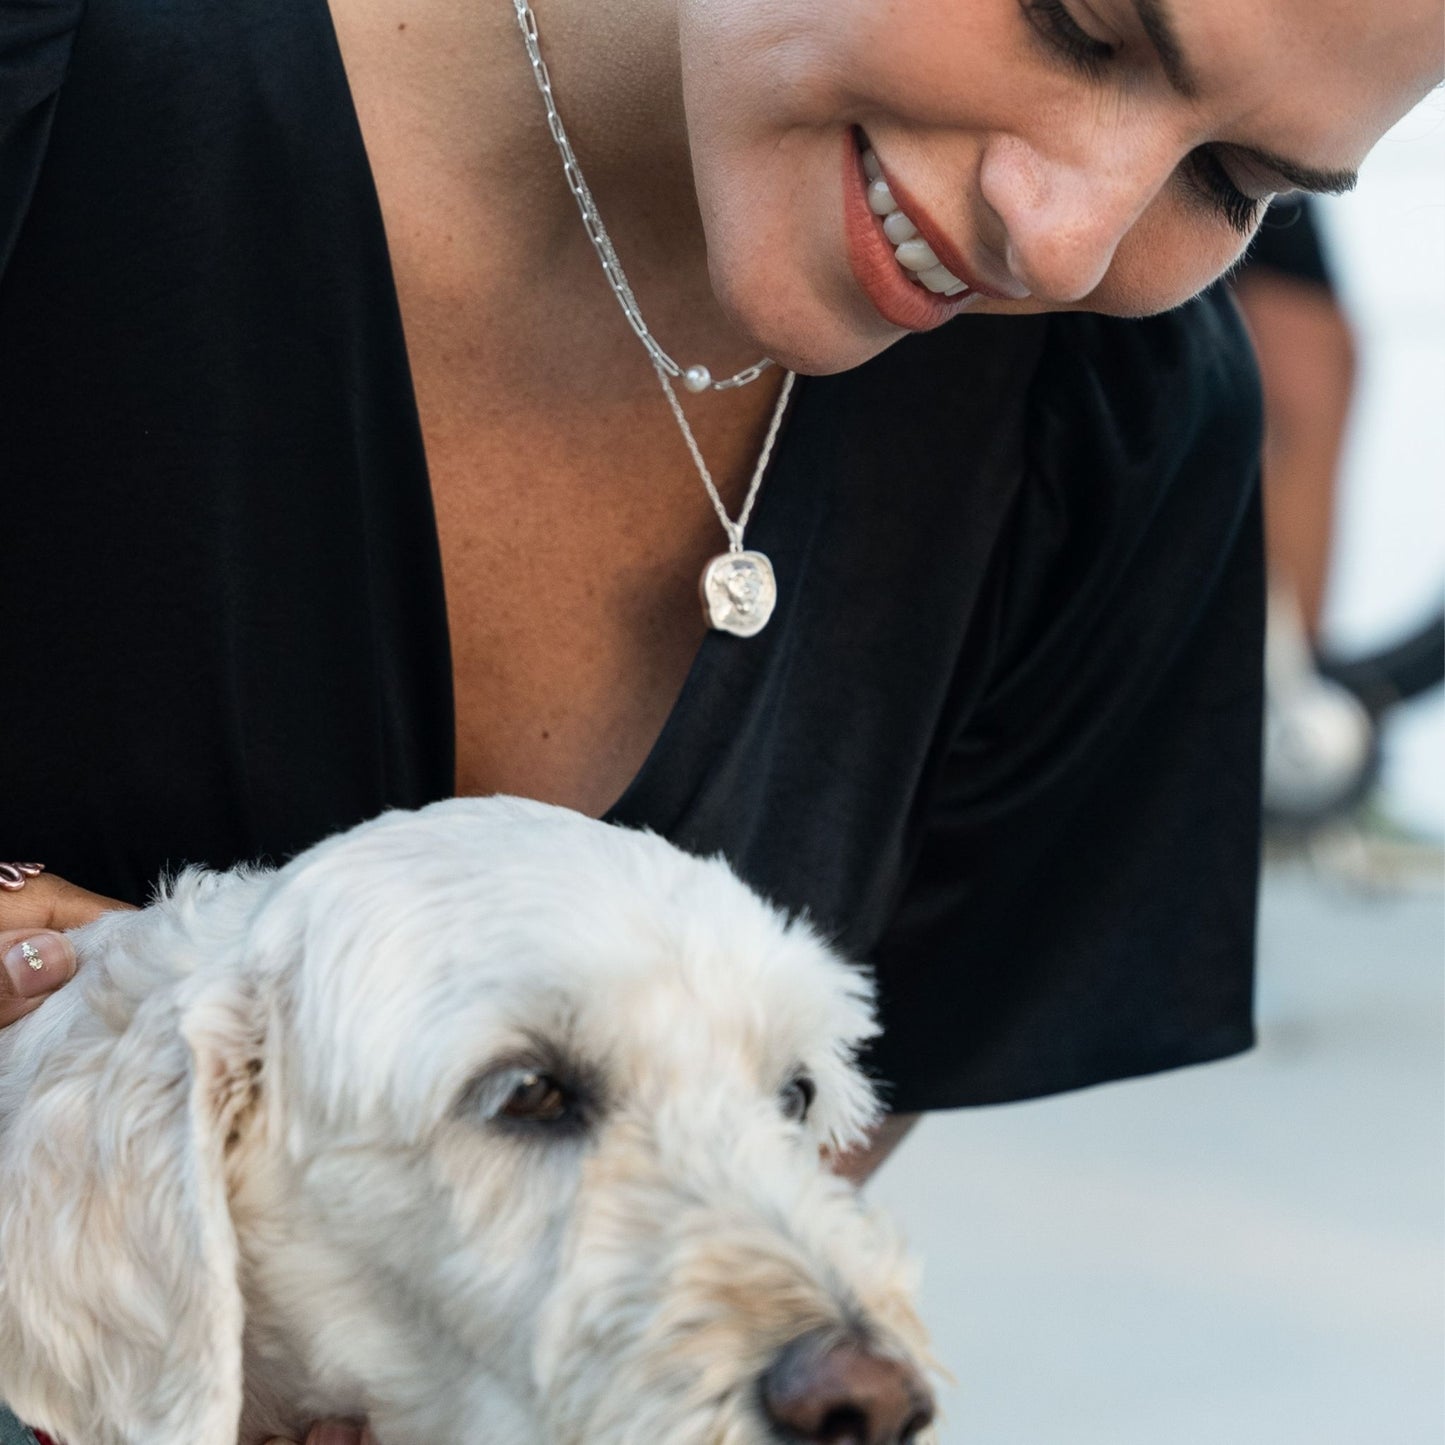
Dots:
(120, 1307)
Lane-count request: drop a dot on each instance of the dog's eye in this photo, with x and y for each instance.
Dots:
(538, 1098)
(797, 1098)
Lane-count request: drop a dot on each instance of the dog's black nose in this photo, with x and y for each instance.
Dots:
(825, 1392)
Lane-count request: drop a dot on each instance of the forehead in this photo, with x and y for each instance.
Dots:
(1318, 79)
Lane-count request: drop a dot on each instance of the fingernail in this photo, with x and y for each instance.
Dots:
(39, 964)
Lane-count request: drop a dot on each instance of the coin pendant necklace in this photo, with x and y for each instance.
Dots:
(738, 587)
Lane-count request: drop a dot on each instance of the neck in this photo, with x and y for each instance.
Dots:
(617, 83)
(452, 104)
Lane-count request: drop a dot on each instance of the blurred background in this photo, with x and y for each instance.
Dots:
(1388, 559)
(1253, 1252)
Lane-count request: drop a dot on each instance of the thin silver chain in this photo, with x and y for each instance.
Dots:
(592, 220)
(733, 529)
(663, 364)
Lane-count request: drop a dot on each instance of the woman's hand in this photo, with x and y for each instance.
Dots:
(35, 958)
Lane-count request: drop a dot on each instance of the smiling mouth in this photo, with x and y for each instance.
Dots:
(914, 255)
(899, 269)
(916, 259)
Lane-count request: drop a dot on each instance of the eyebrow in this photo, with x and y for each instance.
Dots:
(1158, 26)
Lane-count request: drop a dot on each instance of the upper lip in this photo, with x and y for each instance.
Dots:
(938, 241)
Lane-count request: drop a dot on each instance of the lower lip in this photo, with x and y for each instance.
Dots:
(899, 301)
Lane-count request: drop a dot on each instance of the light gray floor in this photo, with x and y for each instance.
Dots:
(1248, 1253)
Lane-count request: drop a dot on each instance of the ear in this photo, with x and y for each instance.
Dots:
(120, 1308)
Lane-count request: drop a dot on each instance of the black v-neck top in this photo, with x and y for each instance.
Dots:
(1000, 740)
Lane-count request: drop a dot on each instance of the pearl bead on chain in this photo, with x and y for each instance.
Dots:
(694, 378)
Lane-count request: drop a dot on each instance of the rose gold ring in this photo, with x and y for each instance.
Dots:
(13, 875)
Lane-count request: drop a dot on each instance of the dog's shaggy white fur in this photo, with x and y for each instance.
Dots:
(259, 1163)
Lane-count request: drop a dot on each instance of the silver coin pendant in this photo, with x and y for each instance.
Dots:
(739, 593)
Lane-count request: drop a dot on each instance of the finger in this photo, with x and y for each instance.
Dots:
(17, 1008)
(51, 902)
(33, 963)
(35, 957)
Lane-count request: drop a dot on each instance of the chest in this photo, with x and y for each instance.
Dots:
(572, 520)
(571, 553)
(574, 526)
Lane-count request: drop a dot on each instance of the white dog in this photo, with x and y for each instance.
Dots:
(489, 1122)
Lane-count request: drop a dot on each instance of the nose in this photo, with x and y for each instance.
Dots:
(1063, 217)
(824, 1392)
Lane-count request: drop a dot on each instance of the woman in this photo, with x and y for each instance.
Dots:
(273, 568)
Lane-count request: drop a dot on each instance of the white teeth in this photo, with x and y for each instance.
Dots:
(913, 253)
(937, 278)
(898, 228)
(916, 255)
(880, 198)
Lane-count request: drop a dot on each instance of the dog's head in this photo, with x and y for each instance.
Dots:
(490, 1121)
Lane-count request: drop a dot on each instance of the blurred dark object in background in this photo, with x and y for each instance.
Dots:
(1322, 728)
(1306, 350)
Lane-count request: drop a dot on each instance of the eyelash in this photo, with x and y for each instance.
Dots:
(1203, 175)
(1052, 20)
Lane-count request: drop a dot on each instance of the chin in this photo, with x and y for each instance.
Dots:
(817, 357)
(801, 329)
(1135, 304)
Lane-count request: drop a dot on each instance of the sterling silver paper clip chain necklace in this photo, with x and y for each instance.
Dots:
(739, 590)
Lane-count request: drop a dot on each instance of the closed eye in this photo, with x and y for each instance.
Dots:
(1068, 39)
(1204, 174)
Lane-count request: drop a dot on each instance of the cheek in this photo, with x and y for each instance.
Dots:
(769, 179)
(776, 253)
(1171, 253)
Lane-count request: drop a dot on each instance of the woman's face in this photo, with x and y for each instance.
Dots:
(1100, 155)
